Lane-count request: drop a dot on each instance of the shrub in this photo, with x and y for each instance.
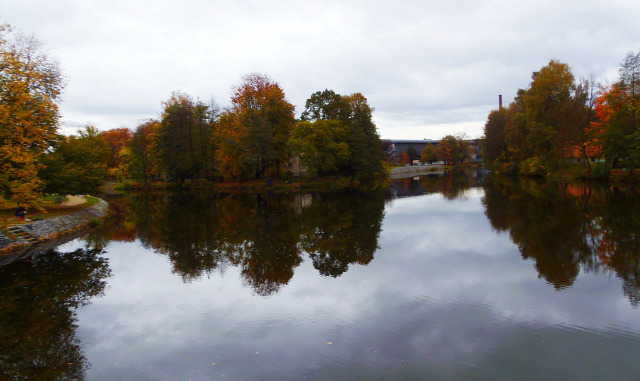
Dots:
(287, 176)
(600, 172)
(534, 167)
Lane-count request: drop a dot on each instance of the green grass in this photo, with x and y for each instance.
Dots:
(51, 209)
(52, 198)
(91, 201)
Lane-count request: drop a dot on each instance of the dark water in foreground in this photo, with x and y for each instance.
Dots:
(450, 277)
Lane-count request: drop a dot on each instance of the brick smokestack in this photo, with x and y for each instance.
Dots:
(500, 102)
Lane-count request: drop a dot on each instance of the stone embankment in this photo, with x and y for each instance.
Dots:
(415, 170)
(37, 232)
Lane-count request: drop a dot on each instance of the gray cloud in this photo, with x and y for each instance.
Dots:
(428, 67)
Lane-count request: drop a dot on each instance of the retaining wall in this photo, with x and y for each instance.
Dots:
(35, 232)
(415, 170)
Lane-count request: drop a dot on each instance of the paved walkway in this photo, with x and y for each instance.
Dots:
(74, 200)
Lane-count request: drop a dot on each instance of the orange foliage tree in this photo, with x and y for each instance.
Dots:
(30, 86)
(251, 138)
(116, 139)
(145, 161)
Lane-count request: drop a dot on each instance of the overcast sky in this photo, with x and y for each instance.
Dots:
(429, 68)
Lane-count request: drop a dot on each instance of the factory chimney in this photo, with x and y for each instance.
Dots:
(500, 102)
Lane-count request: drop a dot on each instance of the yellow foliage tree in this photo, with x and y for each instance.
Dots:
(30, 86)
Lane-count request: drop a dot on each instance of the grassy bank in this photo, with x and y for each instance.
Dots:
(570, 173)
(257, 185)
(53, 207)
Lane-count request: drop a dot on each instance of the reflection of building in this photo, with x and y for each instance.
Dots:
(301, 201)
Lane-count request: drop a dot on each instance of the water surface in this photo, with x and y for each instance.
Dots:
(440, 277)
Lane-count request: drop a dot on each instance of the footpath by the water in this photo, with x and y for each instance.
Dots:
(26, 237)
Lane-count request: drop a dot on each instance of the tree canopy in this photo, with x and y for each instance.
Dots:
(556, 120)
(30, 86)
(190, 140)
(352, 114)
(253, 134)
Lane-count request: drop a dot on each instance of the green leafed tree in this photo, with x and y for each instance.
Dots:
(365, 147)
(176, 138)
(321, 145)
(325, 105)
(413, 154)
(77, 165)
(366, 155)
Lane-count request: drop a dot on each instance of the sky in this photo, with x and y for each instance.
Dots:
(428, 68)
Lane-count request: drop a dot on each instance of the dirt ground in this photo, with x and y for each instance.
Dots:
(74, 200)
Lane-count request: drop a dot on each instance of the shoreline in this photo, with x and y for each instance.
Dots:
(33, 234)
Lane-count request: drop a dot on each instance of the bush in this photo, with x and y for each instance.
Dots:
(534, 167)
(287, 176)
(600, 172)
(513, 168)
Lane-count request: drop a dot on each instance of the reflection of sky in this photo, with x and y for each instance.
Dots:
(444, 297)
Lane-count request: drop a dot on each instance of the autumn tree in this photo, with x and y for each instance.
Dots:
(452, 149)
(428, 154)
(515, 131)
(30, 86)
(77, 165)
(546, 124)
(144, 163)
(116, 139)
(495, 145)
(617, 112)
(252, 135)
(581, 115)
(630, 81)
(546, 104)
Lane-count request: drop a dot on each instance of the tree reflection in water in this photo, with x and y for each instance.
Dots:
(38, 299)
(265, 235)
(565, 229)
(568, 228)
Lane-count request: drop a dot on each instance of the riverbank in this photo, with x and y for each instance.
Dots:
(328, 183)
(571, 174)
(24, 236)
(295, 184)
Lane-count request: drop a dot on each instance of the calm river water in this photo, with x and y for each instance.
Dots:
(455, 277)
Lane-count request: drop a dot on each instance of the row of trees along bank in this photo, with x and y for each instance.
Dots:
(256, 137)
(556, 123)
